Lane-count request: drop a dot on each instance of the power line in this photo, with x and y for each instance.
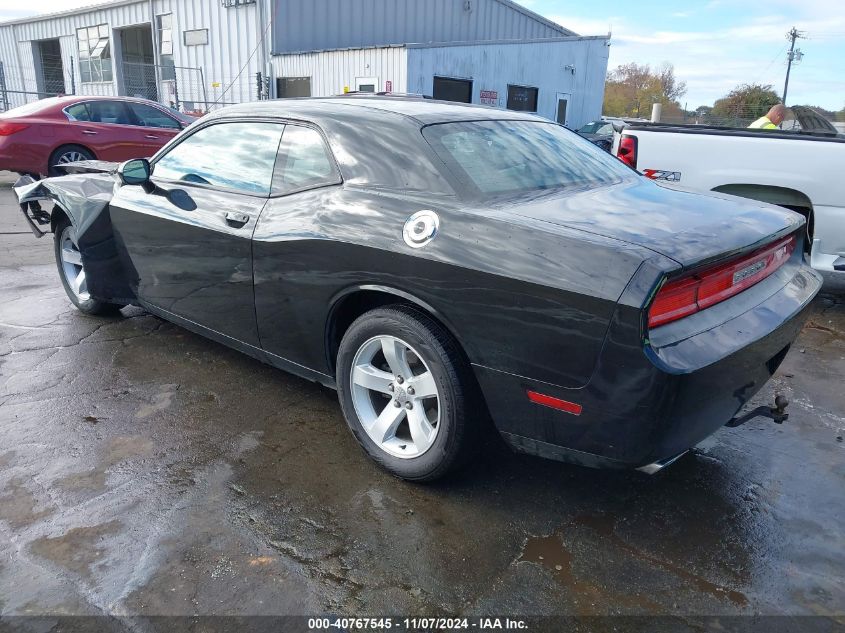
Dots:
(793, 35)
(774, 59)
(249, 59)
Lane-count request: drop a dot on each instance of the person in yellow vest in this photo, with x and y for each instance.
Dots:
(774, 117)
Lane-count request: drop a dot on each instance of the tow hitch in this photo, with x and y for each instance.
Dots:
(777, 413)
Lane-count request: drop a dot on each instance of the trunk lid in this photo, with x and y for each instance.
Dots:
(690, 228)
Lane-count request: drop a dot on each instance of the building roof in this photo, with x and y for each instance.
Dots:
(304, 26)
(116, 3)
(539, 40)
(536, 17)
(78, 10)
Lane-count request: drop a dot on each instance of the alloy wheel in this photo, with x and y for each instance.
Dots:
(395, 396)
(72, 264)
(71, 157)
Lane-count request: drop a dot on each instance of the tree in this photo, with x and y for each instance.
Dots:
(631, 89)
(746, 101)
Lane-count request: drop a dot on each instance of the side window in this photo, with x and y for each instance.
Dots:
(304, 161)
(78, 112)
(237, 156)
(148, 116)
(108, 112)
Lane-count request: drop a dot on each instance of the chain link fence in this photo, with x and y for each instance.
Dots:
(21, 85)
(184, 88)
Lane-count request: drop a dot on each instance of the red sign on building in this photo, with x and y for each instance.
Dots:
(489, 97)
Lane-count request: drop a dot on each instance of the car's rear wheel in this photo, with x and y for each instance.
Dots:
(405, 392)
(67, 154)
(72, 271)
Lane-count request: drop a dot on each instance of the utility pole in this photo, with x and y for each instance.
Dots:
(794, 55)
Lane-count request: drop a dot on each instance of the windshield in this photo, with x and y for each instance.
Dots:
(498, 158)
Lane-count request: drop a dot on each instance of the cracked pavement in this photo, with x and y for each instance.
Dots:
(146, 470)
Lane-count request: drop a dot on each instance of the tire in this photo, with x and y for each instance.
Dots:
(69, 264)
(396, 436)
(67, 154)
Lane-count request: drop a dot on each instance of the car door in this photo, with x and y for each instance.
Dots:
(186, 240)
(104, 126)
(289, 276)
(158, 126)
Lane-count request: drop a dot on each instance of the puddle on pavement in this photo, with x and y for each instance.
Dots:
(117, 449)
(17, 507)
(78, 550)
(551, 552)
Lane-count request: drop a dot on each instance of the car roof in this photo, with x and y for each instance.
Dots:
(66, 100)
(423, 111)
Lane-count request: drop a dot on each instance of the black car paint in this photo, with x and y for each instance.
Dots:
(546, 294)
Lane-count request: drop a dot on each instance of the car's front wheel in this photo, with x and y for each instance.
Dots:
(72, 272)
(406, 393)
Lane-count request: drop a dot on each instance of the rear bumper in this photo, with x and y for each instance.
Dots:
(828, 252)
(648, 405)
(19, 157)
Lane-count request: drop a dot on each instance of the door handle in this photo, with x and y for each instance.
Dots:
(236, 219)
(151, 136)
(89, 132)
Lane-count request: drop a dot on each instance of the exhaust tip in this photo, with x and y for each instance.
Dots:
(656, 467)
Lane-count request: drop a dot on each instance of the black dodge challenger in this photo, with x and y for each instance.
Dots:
(441, 265)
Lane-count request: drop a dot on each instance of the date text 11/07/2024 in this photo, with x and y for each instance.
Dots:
(418, 624)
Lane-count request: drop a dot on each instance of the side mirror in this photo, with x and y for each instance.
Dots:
(618, 127)
(134, 172)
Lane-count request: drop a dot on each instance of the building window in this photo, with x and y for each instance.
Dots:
(287, 87)
(196, 37)
(164, 31)
(522, 98)
(448, 89)
(94, 53)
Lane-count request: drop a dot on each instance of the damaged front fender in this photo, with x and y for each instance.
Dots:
(84, 197)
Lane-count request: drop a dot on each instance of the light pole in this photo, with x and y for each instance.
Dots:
(794, 55)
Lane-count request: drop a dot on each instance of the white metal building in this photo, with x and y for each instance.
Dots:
(199, 54)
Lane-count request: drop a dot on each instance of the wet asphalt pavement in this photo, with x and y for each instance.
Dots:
(146, 470)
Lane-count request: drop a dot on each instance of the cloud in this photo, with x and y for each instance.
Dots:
(589, 26)
(714, 61)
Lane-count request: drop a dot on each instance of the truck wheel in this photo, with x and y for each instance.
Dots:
(72, 272)
(405, 391)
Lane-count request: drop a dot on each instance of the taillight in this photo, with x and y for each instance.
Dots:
(10, 127)
(627, 151)
(687, 295)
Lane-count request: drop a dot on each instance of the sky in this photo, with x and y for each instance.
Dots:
(714, 44)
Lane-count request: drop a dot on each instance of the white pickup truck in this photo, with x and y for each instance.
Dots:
(803, 170)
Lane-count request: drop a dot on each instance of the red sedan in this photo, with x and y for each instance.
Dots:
(36, 137)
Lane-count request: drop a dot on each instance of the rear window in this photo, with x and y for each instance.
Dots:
(79, 112)
(503, 158)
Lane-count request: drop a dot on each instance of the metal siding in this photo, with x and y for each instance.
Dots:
(233, 36)
(311, 25)
(330, 71)
(536, 64)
